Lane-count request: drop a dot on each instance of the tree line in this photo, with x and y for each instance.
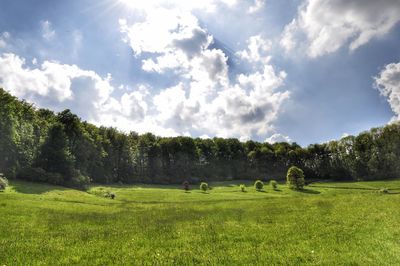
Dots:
(60, 148)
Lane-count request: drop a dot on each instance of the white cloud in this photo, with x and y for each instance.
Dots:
(257, 51)
(257, 6)
(388, 84)
(275, 138)
(327, 25)
(54, 85)
(206, 101)
(48, 33)
(183, 5)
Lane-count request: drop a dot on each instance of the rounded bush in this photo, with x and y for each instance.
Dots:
(110, 195)
(242, 187)
(384, 190)
(258, 185)
(295, 178)
(186, 185)
(204, 186)
(273, 184)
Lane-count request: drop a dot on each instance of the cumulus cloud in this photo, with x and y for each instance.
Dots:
(388, 84)
(54, 83)
(275, 138)
(206, 101)
(257, 6)
(257, 51)
(48, 33)
(327, 25)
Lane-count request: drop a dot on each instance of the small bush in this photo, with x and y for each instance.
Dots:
(204, 186)
(295, 178)
(273, 184)
(384, 191)
(79, 181)
(110, 195)
(242, 187)
(3, 182)
(259, 185)
(186, 185)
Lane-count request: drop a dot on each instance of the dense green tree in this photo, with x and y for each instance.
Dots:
(55, 156)
(295, 178)
(41, 145)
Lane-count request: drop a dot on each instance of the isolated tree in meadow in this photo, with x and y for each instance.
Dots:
(295, 178)
(204, 186)
(186, 185)
(273, 184)
(258, 185)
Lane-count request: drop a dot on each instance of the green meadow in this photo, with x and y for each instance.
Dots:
(326, 224)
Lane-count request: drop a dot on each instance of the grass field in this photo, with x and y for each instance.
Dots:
(327, 224)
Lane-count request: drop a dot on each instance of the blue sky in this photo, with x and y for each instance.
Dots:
(305, 71)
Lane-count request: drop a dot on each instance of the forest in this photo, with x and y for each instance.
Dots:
(59, 148)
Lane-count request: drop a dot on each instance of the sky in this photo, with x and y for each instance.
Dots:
(304, 71)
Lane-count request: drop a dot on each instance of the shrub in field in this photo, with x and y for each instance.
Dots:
(186, 185)
(259, 185)
(204, 186)
(110, 195)
(3, 182)
(384, 191)
(242, 187)
(295, 178)
(79, 181)
(273, 184)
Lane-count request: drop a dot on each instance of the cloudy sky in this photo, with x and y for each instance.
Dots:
(296, 70)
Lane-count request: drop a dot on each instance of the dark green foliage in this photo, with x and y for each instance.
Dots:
(55, 155)
(186, 185)
(295, 178)
(258, 185)
(273, 184)
(110, 195)
(37, 174)
(62, 149)
(204, 186)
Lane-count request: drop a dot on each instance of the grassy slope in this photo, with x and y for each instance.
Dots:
(331, 224)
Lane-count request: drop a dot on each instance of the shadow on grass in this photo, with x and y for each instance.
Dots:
(333, 187)
(33, 188)
(309, 191)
